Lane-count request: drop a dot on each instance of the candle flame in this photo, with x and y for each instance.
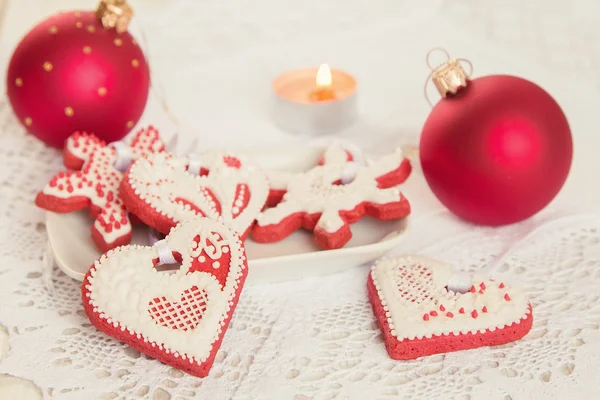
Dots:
(324, 76)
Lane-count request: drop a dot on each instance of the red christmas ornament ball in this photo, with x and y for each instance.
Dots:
(70, 73)
(496, 152)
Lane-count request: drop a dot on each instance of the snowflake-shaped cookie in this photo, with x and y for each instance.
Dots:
(318, 200)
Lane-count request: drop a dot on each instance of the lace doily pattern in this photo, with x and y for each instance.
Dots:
(304, 343)
(316, 339)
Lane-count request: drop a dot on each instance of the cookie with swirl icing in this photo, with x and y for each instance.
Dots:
(164, 190)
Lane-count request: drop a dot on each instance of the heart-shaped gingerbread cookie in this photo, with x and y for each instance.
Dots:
(419, 316)
(178, 317)
(163, 190)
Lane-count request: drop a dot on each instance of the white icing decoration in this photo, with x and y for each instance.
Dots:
(314, 192)
(338, 151)
(162, 181)
(335, 154)
(279, 180)
(125, 284)
(98, 168)
(394, 277)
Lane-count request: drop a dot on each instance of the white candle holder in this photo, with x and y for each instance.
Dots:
(300, 106)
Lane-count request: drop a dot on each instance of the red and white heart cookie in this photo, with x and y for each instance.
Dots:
(419, 316)
(178, 317)
(163, 190)
(96, 184)
(316, 200)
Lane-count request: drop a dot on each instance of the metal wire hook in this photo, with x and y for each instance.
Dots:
(433, 69)
(430, 52)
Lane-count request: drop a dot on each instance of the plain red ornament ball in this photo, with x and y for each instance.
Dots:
(70, 73)
(496, 152)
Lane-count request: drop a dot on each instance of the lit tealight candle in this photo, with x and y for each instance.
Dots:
(315, 100)
(324, 90)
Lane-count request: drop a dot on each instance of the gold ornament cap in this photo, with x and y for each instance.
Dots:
(449, 77)
(114, 14)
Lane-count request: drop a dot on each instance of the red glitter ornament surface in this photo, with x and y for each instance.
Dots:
(69, 73)
(498, 151)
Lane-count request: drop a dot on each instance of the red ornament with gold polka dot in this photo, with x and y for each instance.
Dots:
(79, 71)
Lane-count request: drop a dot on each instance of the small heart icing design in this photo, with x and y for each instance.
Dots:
(419, 316)
(163, 190)
(317, 200)
(178, 317)
(183, 314)
(95, 184)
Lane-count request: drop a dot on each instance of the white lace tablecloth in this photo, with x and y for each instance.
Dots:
(317, 339)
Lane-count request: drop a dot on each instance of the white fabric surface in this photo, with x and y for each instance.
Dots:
(316, 339)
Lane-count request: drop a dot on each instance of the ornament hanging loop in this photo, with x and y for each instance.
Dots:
(448, 77)
(432, 51)
(114, 14)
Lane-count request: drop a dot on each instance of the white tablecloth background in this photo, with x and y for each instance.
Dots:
(212, 65)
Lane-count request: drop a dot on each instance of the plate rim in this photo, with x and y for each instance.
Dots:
(380, 247)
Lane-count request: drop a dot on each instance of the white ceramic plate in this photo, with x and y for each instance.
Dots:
(295, 257)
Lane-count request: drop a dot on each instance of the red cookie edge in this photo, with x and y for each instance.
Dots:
(395, 177)
(77, 203)
(104, 246)
(61, 205)
(200, 370)
(148, 215)
(329, 241)
(141, 209)
(275, 197)
(412, 349)
(71, 161)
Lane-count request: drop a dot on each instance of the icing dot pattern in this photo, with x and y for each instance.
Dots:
(419, 305)
(98, 181)
(179, 329)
